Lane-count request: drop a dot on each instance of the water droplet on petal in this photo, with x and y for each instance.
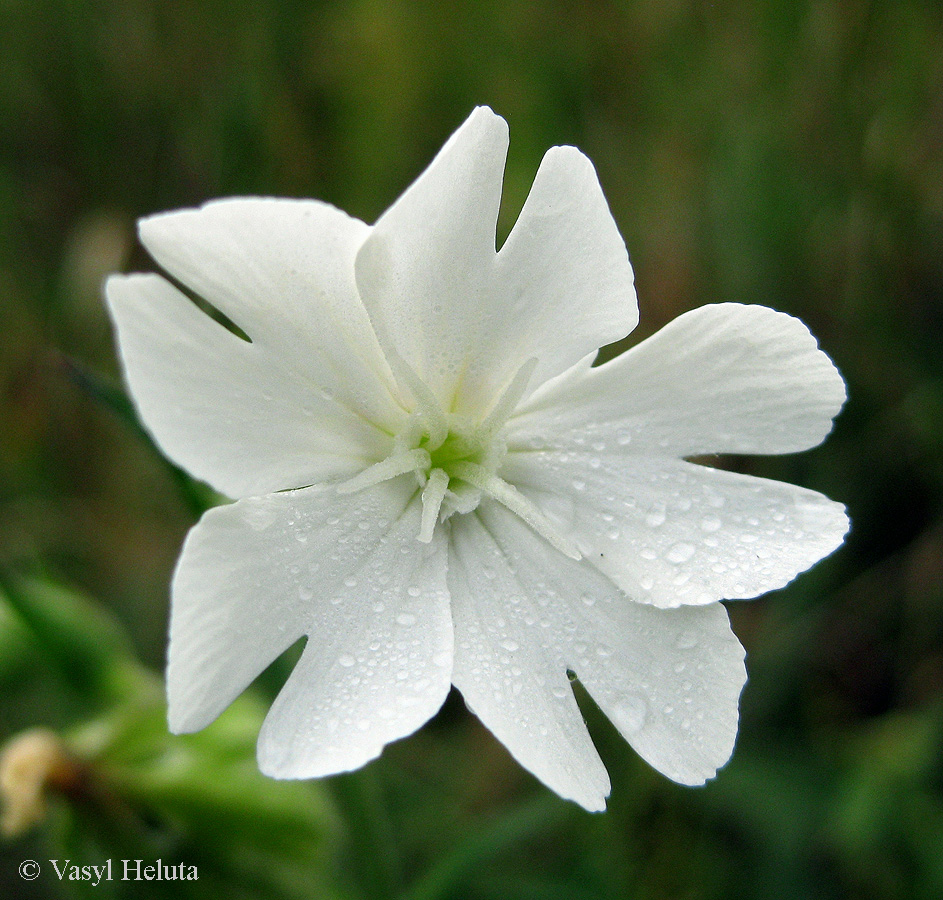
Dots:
(680, 553)
(686, 640)
(510, 645)
(346, 660)
(628, 715)
(406, 619)
(258, 518)
(655, 518)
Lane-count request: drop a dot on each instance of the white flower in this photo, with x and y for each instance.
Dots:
(436, 488)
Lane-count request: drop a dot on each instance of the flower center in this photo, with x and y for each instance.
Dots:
(457, 470)
(455, 460)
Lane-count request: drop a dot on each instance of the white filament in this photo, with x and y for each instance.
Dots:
(398, 464)
(515, 501)
(432, 496)
(507, 401)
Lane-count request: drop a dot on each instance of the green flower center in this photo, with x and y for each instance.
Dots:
(457, 447)
(455, 460)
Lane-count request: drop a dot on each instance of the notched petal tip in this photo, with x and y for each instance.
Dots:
(485, 114)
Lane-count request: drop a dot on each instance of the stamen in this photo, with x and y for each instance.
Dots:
(515, 501)
(428, 404)
(432, 496)
(391, 467)
(507, 401)
(463, 497)
(410, 436)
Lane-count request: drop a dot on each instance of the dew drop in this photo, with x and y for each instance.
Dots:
(258, 517)
(510, 645)
(711, 523)
(588, 599)
(406, 619)
(346, 660)
(686, 640)
(629, 714)
(413, 591)
(655, 518)
(305, 592)
(680, 553)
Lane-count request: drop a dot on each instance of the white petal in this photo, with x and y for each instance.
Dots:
(669, 532)
(283, 271)
(309, 399)
(230, 412)
(424, 271)
(509, 659)
(670, 680)
(564, 284)
(348, 572)
(724, 378)
(467, 319)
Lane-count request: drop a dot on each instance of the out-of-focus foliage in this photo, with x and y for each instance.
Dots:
(787, 152)
(121, 787)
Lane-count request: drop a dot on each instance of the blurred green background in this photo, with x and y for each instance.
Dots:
(788, 153)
